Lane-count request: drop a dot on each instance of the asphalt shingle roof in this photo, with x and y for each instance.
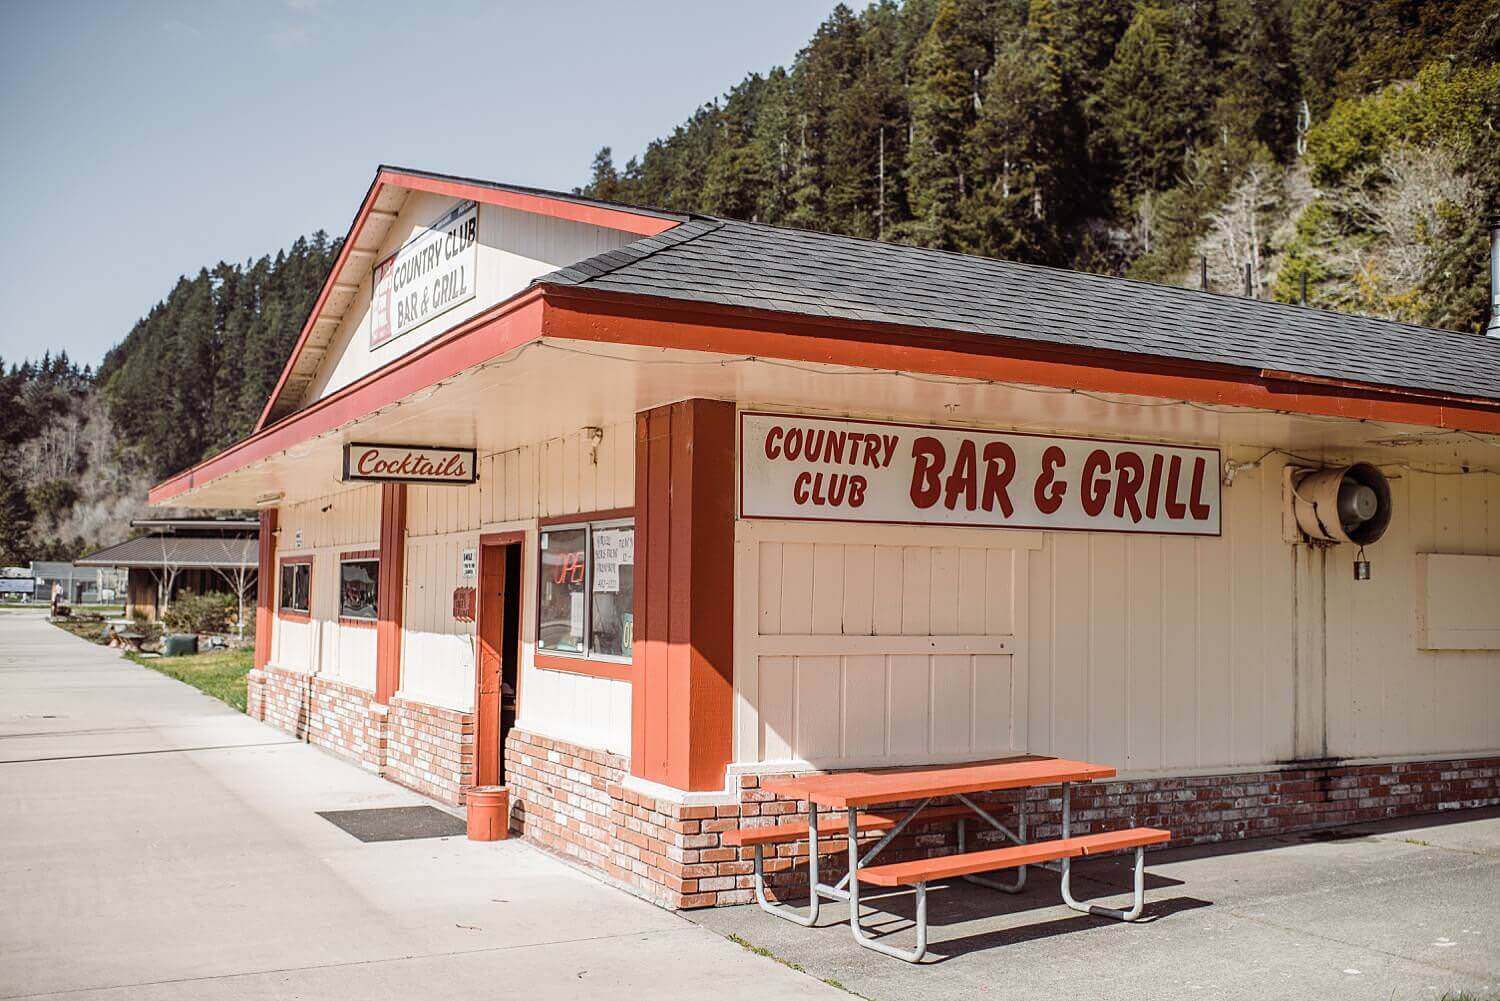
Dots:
(182, 551)
(823, 275)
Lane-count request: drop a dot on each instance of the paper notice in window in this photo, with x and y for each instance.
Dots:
(609, 552)
(575, 616)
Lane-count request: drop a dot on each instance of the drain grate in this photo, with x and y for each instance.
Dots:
(395, 823)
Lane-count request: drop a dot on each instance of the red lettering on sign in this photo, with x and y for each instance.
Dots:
(1095, 486)
(1049, 490)
(1130, 471)
(925, 484)
(962, 479)
(773, 441)
(999, 469)
(1174, 508)
(1153, 489)
(1196, 505)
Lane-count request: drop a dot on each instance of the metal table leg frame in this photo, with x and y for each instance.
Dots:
(782, 910)
(1104, 912)
(837, 891)
(860, 937)
(1019, 838)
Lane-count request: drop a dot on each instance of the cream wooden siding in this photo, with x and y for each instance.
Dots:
(514, 247)
(559, 477)
(1385, 696)
(865, 645)
(1155, 652)
(1152, 653)
(348, 520)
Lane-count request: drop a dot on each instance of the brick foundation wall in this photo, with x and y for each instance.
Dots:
(428, 749)
(571, 801)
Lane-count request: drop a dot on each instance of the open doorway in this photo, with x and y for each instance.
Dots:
(499, 654)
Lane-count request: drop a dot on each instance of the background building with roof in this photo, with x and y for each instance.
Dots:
(182, 555)
(627, 509)
(81, 584)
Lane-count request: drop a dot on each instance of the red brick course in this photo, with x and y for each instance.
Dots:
(430, 749)
(425, 748)
(571, 801)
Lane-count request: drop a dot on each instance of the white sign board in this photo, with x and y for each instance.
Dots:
(613, 547)
(470, 563)
(429, 275)
(409, 463)
(824, 469)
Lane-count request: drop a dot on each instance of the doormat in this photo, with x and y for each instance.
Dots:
(396, 823)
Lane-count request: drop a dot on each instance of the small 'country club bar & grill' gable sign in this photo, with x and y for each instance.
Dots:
(828, 469)
(409, 464)
(429, 275)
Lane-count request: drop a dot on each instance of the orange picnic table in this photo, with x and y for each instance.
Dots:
(912, 791)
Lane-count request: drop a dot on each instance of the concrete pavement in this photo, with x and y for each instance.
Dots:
(155, 844)
(1388, 912)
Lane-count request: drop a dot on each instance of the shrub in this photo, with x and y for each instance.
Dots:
(200, 613)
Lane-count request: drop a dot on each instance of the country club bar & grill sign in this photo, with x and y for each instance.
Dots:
(409, 464)
(827, 469)
(429, 275)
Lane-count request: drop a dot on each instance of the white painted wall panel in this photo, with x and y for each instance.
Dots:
(1152, 653)
(345, 521)
(868, 645)
(514, 247)
(1386, 695)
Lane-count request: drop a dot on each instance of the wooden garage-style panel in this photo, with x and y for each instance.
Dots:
(874, 645)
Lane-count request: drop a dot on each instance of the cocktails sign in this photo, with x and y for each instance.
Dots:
(409, 464)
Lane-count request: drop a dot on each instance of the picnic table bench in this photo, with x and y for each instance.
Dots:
(853, 792)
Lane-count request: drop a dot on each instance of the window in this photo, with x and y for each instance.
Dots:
(296, 587)
(359, 589)
(585, 608)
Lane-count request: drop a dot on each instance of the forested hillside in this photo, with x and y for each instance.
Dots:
(79, 449)
(1344, 147)
(1350, 143)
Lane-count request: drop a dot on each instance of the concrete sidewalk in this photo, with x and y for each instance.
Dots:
(1388, 912)
(155, 844)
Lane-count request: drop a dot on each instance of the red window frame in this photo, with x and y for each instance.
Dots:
(356, 556)
(289, 614)
(616, 670)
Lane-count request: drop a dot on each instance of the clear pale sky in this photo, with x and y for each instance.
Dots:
(140, 141)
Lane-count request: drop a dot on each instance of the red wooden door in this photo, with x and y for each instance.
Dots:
(491, 629)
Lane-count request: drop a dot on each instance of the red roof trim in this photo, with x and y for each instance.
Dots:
(502, 328)
(624, 220)
(576, 313)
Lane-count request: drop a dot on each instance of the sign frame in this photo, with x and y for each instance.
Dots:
(349, 476)
(1217, 466)
(458, 210)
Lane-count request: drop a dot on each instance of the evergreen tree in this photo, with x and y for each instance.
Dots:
(942, 109)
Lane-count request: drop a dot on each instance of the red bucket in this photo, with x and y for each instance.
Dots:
(489, 813)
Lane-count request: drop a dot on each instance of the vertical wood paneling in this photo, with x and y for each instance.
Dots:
(1109, 683)
(864, 707)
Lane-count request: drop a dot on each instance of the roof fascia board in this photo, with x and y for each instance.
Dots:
(624, 220)
(639, 223)
(660, 322)
(500, 329)
(345, 249)
(574, 313)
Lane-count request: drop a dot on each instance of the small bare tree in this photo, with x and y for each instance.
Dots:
(1401, 200)
(242, 579)
(166, 577)
(1239, 229)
